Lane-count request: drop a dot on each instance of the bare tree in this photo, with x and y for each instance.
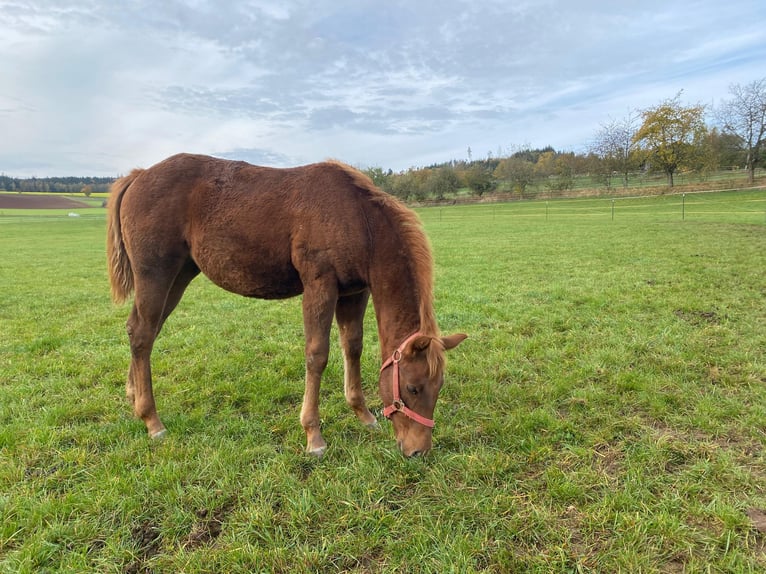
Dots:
(614, 144)
(745, 117)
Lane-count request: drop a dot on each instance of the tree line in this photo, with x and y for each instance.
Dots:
(668, 138)
(85, 185)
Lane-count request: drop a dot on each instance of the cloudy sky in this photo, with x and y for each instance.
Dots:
(97, 87)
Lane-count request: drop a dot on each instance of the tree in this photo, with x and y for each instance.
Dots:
(745, 117)
(615, 145)
(442, 181)
(479, 179)
(378, 176)
(564, 168)
(517, 171)
(670, 133)
(726, 148)
(545, 166)
(555, 170)
(410, 184)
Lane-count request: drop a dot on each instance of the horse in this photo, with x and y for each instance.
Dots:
(322, 230)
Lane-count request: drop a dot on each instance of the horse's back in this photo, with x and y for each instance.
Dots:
(252, 230)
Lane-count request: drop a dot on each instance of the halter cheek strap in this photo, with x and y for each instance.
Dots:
(398, 405)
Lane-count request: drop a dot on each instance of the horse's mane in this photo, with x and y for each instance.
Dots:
(421, 259)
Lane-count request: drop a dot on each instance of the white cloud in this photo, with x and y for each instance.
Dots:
(96, 87)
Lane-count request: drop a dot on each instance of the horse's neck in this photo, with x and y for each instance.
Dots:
(393, 286)
(397, 314)
(400, 275)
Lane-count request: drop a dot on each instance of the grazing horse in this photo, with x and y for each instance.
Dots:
(322, 230)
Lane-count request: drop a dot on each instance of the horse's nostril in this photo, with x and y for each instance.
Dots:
(414, 453)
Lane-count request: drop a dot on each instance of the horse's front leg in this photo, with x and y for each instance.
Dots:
(349, 314)
(318, 305)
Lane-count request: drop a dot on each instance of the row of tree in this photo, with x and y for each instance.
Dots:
(667, 138)
(85, 185)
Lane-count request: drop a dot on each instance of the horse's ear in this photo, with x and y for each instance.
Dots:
(452, 341)
(420, 343)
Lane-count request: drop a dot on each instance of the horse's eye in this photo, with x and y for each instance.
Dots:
(412, 389)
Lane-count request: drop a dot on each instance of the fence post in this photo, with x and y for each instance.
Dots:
(612, 209)
(683, 207)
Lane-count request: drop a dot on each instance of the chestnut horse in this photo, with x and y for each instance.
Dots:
(322, 230)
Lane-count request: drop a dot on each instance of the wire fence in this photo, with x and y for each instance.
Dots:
(737, 206)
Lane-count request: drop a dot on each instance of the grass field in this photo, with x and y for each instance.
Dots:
(607, 414)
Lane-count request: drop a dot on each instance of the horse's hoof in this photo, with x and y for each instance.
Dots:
(318, 451)
(159, 435)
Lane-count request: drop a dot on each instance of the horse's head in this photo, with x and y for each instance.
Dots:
(410, 381)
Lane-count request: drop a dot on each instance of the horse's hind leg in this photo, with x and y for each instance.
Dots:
(349, 312)
(184, 277)
(156, 297)
(181, 282)
(142, 327)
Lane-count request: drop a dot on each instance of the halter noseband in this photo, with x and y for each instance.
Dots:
(398, 405)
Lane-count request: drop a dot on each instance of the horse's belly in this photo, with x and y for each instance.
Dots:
(259, 287)
(244, 272)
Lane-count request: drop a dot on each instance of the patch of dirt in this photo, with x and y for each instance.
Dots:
(32, 472)
(25, 201)
(148, 540)
(608, 460)
(757, 519)
(698, 317)
(208, 526)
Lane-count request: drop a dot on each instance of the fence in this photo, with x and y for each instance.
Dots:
(736, 206)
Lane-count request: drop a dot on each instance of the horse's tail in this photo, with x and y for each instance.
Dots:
(120, 271)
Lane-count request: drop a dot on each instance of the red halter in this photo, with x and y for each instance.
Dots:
(398, 404)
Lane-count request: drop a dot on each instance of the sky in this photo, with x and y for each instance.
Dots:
(98, 87)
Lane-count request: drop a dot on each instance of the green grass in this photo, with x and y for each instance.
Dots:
(608, 413)
(9, 215)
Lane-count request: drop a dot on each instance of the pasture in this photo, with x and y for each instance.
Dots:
(607, 413)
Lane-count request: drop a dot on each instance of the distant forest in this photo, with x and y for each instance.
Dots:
(57, 184)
